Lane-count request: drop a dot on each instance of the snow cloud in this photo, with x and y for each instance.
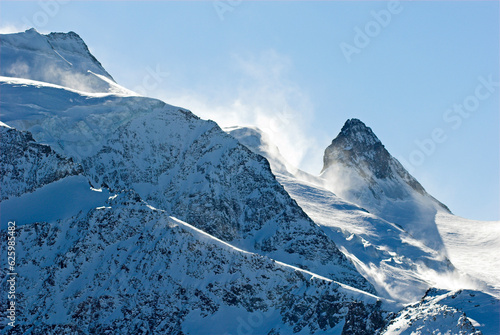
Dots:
(19, 69)
(266, 98)
(10, 29)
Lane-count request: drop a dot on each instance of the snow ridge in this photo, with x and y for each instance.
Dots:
(58, 58)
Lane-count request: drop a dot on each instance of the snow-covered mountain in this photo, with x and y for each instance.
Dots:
(57, 58)
(358, 168)
(124, 267)
(128, 268)
(401, 266)
(137, 217)
(178, 163)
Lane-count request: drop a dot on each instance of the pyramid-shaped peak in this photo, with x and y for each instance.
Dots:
(356, 145)
(355, 130)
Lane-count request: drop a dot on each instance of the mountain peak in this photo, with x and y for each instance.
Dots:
(76, 41)
(357, 131)
(57, 58)
(31, 31)
(357, 144)
(359, 168)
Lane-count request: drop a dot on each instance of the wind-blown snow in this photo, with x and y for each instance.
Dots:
(358, 168)
(473, 247)
(399, 265)
(56, 58)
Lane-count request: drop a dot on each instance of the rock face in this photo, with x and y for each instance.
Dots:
(26, 165)
(359, 169)
(128, 268)
(357, 147)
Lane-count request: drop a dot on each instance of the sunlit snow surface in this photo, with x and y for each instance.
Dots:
(400, 266)
(57, 58)
(441, 312)
(473, 246)
(81, 121)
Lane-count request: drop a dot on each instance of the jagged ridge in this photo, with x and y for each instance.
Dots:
(26, 165)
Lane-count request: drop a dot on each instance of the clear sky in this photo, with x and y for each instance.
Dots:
(423, 75)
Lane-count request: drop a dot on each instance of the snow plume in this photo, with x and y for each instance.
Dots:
(388, 279)
(51, 73)
(72, 79)
(453, 280)
(10, 29)
(19, 70)
(266, 98)
(343, 181)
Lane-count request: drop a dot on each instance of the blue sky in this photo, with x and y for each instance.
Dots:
(423, 75)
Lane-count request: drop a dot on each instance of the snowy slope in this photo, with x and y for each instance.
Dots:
(178, 163)
(398, 265)
(473, 247)
(57, 58)
(128, 268)
(89, 261)
(57, 200)
(358, 168)
(441, 312)
(401, 267)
